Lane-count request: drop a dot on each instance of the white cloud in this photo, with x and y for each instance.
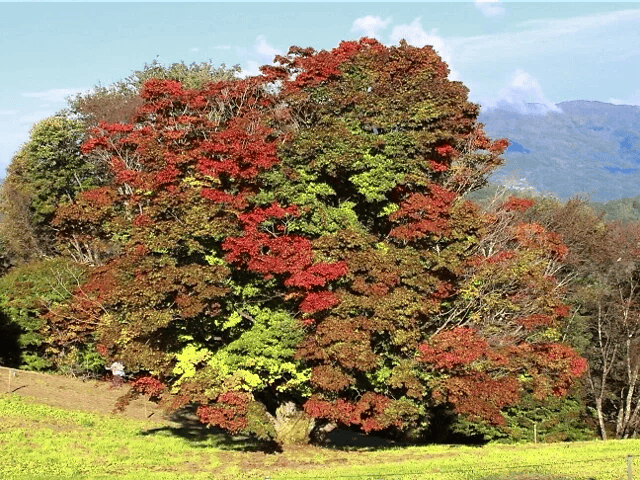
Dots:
(489, 8)
(259, 54)
(370, 25)
(252, 69)
(633, 99)
(265, 51)
(611, 34)
(585, 22)
(415, 35)
(222, 47)
(195, 49)
(523, 94)
(53, 95)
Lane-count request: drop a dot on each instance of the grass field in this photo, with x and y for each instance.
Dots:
(38, 442)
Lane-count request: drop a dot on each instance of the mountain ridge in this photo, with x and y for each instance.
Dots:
(587, 148)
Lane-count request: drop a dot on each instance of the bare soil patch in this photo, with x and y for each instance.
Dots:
(96, 396)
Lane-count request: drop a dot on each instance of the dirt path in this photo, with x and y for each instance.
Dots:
(75, 394)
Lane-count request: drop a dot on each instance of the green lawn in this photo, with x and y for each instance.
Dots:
(38, 441)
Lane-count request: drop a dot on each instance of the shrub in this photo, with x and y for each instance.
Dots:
(26, 293)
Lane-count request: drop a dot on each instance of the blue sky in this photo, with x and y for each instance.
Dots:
(513, 52)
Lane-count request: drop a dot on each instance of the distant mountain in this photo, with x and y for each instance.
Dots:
(586, 147)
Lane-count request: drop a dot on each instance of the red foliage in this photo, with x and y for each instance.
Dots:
(103, 196)
(534, 321)
(317, 301)
(158, 88)
(447, 151)
(423, 215)
(316, 67)
(148, 386)
(368, 412)
(499, 146)
(501, 257)
(554, 366)
(481, 397)
(452, 348)
(329, 378)
(217, 196)
(229, 411)
(438, 167)
(515, 204)
(561, 310)
(141, 220)
(480, 394)
(238, 151)
(317, 275)
(283, 254)
(93, 143)
(533, 235)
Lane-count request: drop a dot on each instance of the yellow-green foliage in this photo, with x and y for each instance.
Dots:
(260, 356)
(263, 354)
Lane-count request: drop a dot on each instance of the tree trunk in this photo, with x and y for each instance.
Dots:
(603, 430)
(292, 425)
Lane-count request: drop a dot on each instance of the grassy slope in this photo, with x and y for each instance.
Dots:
(38, 441)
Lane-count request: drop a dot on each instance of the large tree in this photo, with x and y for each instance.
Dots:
(298, 239)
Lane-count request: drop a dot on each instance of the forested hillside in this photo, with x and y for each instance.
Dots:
(310, 248)
(585, 148)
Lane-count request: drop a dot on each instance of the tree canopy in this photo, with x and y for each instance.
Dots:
(297, 244)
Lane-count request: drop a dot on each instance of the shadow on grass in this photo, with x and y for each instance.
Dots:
(532, 476)
(186, 425)
(345, 439)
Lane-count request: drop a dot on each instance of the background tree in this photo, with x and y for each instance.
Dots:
(47, 171)
(609, 298)
(600, 277)
(119, 102)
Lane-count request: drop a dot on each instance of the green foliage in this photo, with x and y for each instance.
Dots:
(193, 75)
(263, 354)
(51, 165)
(30, 291)
(625, 209)
(378, 178)
(259, 422)
(556, 420)
(46, 172)
(81, 360)
(188, 359)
